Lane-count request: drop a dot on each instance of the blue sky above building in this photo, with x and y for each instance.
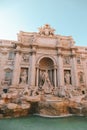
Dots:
(68, 17)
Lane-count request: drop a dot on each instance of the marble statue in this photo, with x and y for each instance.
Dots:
(35, 91)
(67, 77)
(47, 84)
(23, 77)
(46, 30)
(81, 77)
(27, 91)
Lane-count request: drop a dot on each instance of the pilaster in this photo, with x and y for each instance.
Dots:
(55, 76)
(60, 68)
(32, 66)
(16, 71)
(74, 70)
(85, 70)
(37, 75)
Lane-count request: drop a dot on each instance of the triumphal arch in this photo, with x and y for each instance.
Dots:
(43, 60)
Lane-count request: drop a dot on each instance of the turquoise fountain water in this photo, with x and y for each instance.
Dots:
(39, 123)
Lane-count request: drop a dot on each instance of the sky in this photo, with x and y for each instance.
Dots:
(67, 17)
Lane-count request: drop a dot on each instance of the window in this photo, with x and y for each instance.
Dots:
(11, 56)
(7, 75)
(78, 60)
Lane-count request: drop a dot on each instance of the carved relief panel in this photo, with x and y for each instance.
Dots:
(66, 60)
(25, 58)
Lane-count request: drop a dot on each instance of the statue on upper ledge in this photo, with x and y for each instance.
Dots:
(46, 30)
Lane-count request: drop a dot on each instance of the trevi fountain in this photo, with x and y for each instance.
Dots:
(42, 74)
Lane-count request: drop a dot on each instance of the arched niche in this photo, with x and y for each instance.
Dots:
(46, 64)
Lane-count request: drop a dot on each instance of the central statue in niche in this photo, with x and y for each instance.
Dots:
(45, 83)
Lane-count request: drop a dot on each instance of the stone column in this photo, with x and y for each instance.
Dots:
(55, 76)
(60, 69)
(32, 67)
(37, 74)
(16, 71)
(74, 76)
(85, 71)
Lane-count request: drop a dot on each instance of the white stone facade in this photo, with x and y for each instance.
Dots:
(23, 62)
